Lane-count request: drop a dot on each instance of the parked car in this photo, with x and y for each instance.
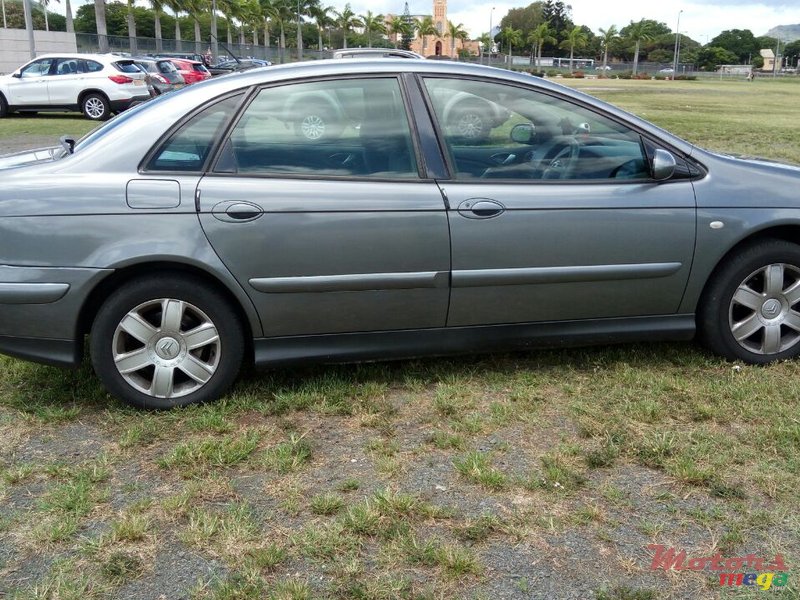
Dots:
(199, 231)
(182, 55)
(234, 66)
(667, 70)
(192, 71)
(96, 85)
(163, 74)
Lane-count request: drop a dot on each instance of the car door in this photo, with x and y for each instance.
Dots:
(30, 88)
(319, 206)
(564, 221)
(65, 84)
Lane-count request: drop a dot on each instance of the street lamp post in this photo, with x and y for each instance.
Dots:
(5, 24)
(299, 34)
(491, 37)
(677, 46)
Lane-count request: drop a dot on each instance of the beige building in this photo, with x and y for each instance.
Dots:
(769, 60)
(440, 44)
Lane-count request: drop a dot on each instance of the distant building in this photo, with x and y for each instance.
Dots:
(769, 60)
(439, 44)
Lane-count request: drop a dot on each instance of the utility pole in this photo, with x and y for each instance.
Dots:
(777, 59)
(677, 46)
(214, 40)
(491, 37)
(5, 23)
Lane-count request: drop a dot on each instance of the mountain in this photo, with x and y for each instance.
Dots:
(786, 33)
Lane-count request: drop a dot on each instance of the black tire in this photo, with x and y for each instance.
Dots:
(764, 312)
(3, 106)
(96, 107)
(168, 350)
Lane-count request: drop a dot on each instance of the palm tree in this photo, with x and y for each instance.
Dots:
(511, 37)
(279, 12)
(397, 27)
(539, 37)
(195, 8)
(322, 19)
(457, 32)
(426, 27)
(303, 8)
(347, 20)
(485, 42)
(373, 23)
(100, 20)
(177, 7)
(68, 13)
(576, 38)
(606, 37)
(44, 4)
(157, 8)
(639, 32)
(232, 9)
(132, 28)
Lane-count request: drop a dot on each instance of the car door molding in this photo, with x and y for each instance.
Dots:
(358, 282)
(568, 274)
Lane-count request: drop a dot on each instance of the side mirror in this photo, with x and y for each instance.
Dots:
(583, 128)
(523, 133)
(16, 75)
(663, 165)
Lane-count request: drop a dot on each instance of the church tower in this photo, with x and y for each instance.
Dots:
(440, 15)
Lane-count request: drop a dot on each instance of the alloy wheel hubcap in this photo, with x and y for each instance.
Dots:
(166, 348)
(762, 315)
(313, 127)
(470, 125)
(95, 107)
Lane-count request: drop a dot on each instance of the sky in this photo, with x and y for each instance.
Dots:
(700, 18)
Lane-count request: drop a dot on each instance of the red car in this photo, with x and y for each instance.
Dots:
(192, 70)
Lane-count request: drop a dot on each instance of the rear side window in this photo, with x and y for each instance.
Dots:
(92, 66)
(200, 68)
(126, 66)
(167, 67)
(187, 149)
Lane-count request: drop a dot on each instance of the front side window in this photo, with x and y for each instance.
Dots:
(187, 149)
(38, 68)
(351, 128)
(497, 131)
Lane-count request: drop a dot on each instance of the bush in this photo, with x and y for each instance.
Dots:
(567, 75)
(578, 74)
(553, 72)
(686, 78)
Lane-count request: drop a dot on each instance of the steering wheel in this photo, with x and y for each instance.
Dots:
(559, 161)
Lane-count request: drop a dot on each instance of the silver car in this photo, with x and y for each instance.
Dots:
(203, 230)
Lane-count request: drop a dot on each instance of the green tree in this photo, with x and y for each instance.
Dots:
(177, 7)
(322, 19)
(711, 57)
(457, 32)
(373, 23)
(638, 32)
(525, 19)
(740, 42)
(538, 38)
(398, 27)
(510, 38)
(607, 37)
(426, 27)
(347, 20)
(576, 38)
(559, 17)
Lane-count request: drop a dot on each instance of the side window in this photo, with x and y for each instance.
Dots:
(38, 68)
(93, 67)
(188, 148)
(67, 66)
(496, 131)
(349, 127)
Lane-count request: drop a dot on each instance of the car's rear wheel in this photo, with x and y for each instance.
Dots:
(96, 107)
(751, 308)
(317, 123)
(166, 341)
(471, 123)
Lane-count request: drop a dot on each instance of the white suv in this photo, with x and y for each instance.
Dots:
(95, 84)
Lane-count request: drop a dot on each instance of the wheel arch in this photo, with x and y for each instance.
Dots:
(121, 276)
(786, 232)
(88, 91)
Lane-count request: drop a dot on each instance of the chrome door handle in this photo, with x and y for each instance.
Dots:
(480, 208)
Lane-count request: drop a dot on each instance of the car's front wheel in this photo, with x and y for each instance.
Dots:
(96, 107)
(3, 106)
(751, 308)
(166, 341)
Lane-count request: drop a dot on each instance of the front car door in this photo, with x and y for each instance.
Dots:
(553, 212)
(319, 206)
(30, 88)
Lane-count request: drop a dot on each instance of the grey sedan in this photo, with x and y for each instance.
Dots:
(206, 229)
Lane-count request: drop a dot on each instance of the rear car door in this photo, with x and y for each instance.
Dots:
(319, 205)
(65, 84)
(553, 211)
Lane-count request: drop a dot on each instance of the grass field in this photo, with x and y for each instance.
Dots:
(533, 475)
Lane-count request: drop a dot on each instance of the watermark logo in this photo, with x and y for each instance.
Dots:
(749, 570)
